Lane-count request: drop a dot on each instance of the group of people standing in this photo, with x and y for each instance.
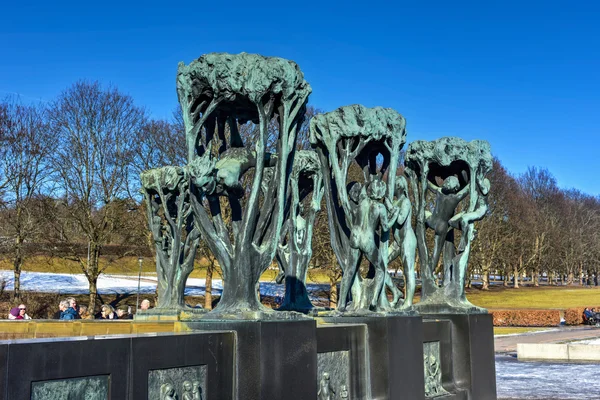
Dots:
(68, 309)
(589, 279)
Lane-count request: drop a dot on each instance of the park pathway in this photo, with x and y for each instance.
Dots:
(508, 344)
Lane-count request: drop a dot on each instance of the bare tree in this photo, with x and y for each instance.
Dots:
(26, 143)
(98, 130)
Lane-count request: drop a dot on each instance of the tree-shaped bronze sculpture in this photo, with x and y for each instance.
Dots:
(452, 170)
(166, 194)
(359, 221)
(217, 92)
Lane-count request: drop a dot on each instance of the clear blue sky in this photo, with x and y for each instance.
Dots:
(523, 75)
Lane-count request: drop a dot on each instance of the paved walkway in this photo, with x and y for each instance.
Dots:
(508, 344)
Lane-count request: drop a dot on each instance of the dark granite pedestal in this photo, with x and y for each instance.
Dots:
(393, 346)
(465, 344)
(275, 359)
(378, 356)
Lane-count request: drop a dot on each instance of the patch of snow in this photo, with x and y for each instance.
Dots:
(546, 380)
(127, 284)
(526, 333)
(588, 341)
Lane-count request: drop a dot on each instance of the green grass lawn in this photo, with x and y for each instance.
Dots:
(544, 297)
(513, 330)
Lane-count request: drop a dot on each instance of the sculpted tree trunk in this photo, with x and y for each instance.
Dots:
(218, 92)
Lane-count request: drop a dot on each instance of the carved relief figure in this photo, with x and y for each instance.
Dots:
(167, 392)
(187, 391)
(326, 391)
(344, 392)
(197, 391)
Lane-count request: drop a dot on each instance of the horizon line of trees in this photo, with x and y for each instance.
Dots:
(69, 183)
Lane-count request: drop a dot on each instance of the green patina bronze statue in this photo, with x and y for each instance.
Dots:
(451, 170)
(359, 220)
(217, 92)
(251, 205)
(295, 249)
(166, 193)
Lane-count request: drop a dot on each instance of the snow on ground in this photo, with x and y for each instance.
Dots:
(588, 341)
(545, 380)
(122, 284)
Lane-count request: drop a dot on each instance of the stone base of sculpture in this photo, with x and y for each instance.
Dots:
(441, 304)
(274, 359)
(392, 348)
(459, 354)
(170, 314)
(359, 358)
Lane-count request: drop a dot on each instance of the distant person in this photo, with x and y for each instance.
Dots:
(107, 312)
(587, 314)
(84, 313)
(15, 313)
(73, 305)
(595, 280)
(145, 305)
(66, 312)
(123, 313)
(23, 311)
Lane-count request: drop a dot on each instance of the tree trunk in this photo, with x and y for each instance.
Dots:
(17, 265)
(92, 274)
(208, 285)
(93, 283)
(516, 278)
(485, 278)
(333, 294)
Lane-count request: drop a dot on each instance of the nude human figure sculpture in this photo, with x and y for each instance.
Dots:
(405, 240)
(369, 216)
(448, 196)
